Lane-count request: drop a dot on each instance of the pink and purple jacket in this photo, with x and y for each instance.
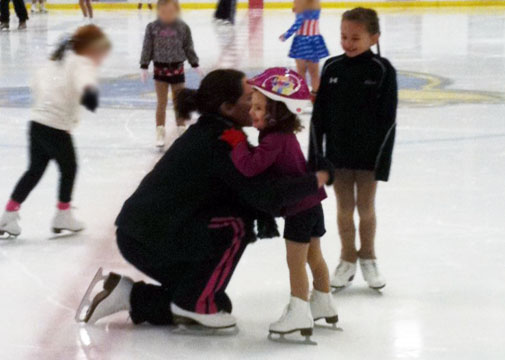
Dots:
(281, 154)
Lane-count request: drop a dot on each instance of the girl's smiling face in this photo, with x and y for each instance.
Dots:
(259, 110)
(355, 38)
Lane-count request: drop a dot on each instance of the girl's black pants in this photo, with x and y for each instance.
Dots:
(47, 143)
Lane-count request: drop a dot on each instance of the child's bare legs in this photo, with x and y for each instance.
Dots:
(162, 97)
(301, 68)
(367, 188)
(83, 6)
(176, 88)
(297, 263)
(313, 69)
(344, 189)
(89, 8)
(318, 266)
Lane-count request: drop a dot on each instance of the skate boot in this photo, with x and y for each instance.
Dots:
(33, 9)
(22, 25)
(160, 136)
(43, 9)
(113, 298)
(65, 220)
(220, 320)
(296, 317)
(9, 224)
(322, 306)
(4, 26)
(371, 274)
(344, 275)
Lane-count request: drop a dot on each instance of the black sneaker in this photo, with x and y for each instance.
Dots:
(22, 25)
(4, 26)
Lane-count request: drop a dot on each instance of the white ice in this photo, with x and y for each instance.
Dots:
(440, 239)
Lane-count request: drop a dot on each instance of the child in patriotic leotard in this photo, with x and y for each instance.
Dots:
(308, 45)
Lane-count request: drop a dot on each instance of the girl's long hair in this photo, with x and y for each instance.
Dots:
(82, 39)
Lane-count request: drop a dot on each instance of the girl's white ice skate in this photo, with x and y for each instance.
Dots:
(344, 275)
(113, 298)
(296, 317)
(371, 274)
(220, 320)
(9, 224)
(65, 220)
(322, 306)
(160, 136)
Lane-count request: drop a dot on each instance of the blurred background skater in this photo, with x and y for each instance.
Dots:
(41, 7)
(308, 45)
(68, 81)
(148, 2)
(21, 13)
(167, 43)
(87, 10)
(225, 12)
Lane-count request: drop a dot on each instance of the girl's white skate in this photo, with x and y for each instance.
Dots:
(322, 306)
(114, 297)
(344, 275)
(160, 136)
(185, 318)
(296, 317)
(9, 225)
(65, 220)
(371, 274)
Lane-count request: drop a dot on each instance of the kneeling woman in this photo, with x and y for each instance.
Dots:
(189, 221)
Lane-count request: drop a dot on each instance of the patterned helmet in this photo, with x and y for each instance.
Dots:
(285, 85)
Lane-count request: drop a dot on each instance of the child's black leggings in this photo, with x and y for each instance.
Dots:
(47, 143)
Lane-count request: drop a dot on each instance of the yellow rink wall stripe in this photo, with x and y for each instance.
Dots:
(286, 5)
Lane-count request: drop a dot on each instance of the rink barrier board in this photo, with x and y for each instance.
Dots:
(286, 5)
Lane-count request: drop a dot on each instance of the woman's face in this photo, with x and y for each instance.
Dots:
(168, 13)
(258, 110)
(239, 112)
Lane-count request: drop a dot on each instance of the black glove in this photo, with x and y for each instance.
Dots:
(326, 165)
(267, 227)
(90, 98)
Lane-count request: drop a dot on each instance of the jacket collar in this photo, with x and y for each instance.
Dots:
(364, 56)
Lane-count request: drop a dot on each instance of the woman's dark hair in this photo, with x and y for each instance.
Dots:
(367, 17)
(84, 37)
(280, 119)
(218, 87)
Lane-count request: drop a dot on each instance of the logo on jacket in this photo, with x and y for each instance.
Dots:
(333, 80)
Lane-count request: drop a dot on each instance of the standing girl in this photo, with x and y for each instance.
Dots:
(280, 95)
(68, 81)
(355, 111)
(168, 43)
(308, 45)
(42, 7)
(87, 9)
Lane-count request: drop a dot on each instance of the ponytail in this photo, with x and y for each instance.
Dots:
(186, 103)
(63, 46)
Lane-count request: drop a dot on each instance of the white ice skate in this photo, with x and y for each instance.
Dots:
(65, 220)
(344, 275)
(371, 274)
(322, 306)
(9, 224)
(296, 317)
(160, 136)
(220, 320)
(43, 9)
(114, 297)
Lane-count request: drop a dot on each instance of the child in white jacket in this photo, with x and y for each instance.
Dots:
(68, 81)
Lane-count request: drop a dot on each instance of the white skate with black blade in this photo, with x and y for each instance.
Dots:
(9, 225)
(344, 275)
(371, 274)
(322, 307)
(188, 322)
(64, 220)
(296, 317)
(112, 298)
(160, 136)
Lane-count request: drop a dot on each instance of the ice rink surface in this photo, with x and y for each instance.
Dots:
(441, 234)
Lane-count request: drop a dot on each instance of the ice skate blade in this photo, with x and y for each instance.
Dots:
(5, 235)
(86, 301)
(60, 230)
(378, 288)
(200, 330)
(330, 323)
(281, 338)
(187, 322)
